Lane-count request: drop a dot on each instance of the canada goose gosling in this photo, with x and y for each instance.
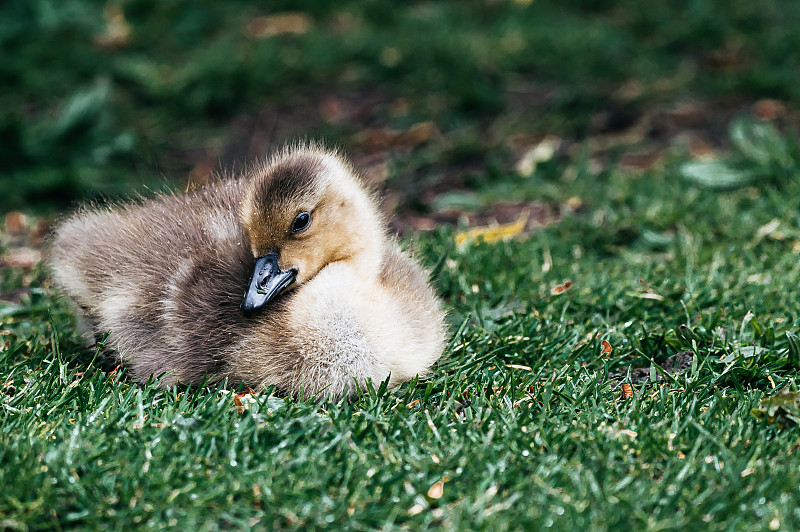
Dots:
(283, 277)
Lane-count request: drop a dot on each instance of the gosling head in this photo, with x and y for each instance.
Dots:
(303, 210)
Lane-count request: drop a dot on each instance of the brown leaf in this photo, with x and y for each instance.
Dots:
(242, 400)
(606, 347)
(278, 24)
(237, 401)
(561, 288)
(627, 391)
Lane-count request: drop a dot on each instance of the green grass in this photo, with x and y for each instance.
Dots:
(519, 419)
(551, 446)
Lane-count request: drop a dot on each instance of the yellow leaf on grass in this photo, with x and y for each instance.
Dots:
(493, 233)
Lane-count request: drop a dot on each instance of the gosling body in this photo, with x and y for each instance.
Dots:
(167, 276)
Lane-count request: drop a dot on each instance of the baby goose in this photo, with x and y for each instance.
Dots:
(330, 300)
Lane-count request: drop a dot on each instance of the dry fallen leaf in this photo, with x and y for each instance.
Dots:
(561, 288)
(278, 24)
(519, 366)
(627, 391)
(436, 491)
(243, 399)
(237, 401)
(493, 233)
(606, 347)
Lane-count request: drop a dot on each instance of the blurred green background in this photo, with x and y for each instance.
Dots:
(100, 98)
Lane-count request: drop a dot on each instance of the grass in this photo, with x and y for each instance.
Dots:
(522, 420)
(553, 445)
(100, 117)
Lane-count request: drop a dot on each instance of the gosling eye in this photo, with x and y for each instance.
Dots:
(301, 222)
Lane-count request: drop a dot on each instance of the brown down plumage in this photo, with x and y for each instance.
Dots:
(168, 277)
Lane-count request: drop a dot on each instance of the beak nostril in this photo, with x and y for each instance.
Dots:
(267, 282)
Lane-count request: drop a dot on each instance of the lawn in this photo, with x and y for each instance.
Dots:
(607, 360)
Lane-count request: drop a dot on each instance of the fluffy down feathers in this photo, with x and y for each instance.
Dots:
(167, 276)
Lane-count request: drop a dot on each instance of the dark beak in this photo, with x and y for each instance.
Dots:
(266, 283)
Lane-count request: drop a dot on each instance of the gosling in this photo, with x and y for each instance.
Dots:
(285, 276)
